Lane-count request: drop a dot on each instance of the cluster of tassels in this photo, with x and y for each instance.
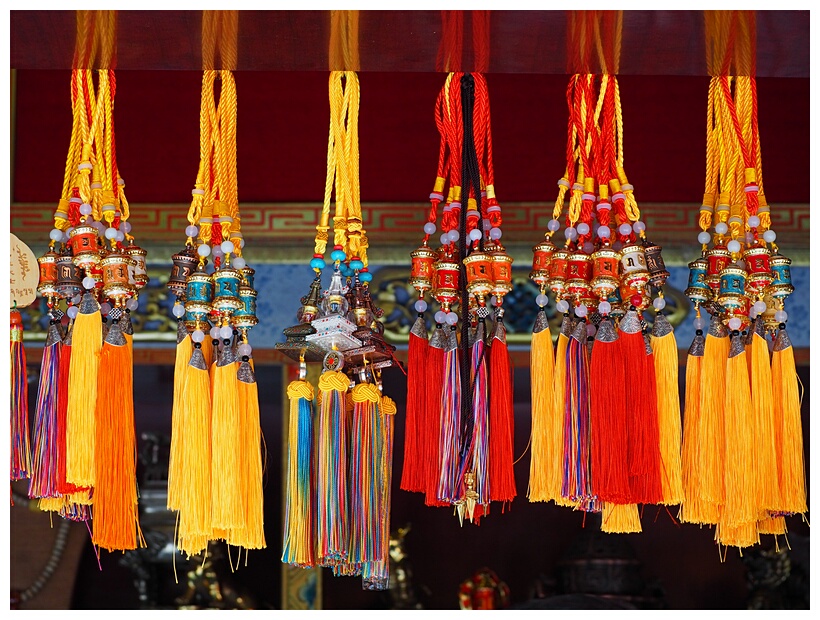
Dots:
(743, 448)
(84, 445)
(215, 464)
(606, 431)
(460, 423)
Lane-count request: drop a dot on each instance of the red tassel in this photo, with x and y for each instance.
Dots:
(412, 478)
(648, 488)
(502, 476)
(429, 423)
(608, 417)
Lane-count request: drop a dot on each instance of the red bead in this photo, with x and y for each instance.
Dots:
(635, 300)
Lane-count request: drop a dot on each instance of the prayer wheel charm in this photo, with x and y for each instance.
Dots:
(558, 271)
(698, 290)
(226, 290)
(245, 317)
(634, 276)
(579, 275)
(768, 315)
(69, 277)
(199, 292)
(422, 269)
(479, 268)
(542, 254)
(116, 281)
(655, 265)
(718, 257)
(605, 272)
(248, 274)
(446, 291)
(48, 274)
(502, 272)
(781, 286)
(138, 255)
(83, 240)
(758, 267)
(732, 292)
(185, 263)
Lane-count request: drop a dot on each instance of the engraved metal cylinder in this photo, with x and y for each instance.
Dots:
(199, 290)
(541, 256)
(138, 255)
(502, 273)
(422, 268)
(248, 274)
(658, 273)
(83, 242)
(226, 290)
(479, 270)
(758, 268)
(698, 290)
(246, 315)
(718, 257)
(579, 274)
(605, 271)
(116, 281)
(446, 291)
(781, 286)
(732, 290)
(69, 277)
(184, 264)
(47, 286)
(559, 264)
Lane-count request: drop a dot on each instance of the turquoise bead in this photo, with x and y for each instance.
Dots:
(338, 255)
(317, 263)
(365, 276)
(356, 265)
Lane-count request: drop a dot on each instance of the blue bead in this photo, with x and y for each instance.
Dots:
(356, 265)
(346, 270)
(317, 263)
(365, 276)
(338, 255)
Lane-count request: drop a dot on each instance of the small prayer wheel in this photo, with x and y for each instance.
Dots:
(768, 314)
(422, 268)
(718, 257)
(226, 290)
(185, 263)
(635, 276)
(541, 255)
(83, 241)
(698, 290)
(502, 272)
(758, 268)
(655, 265)
(69, 277)
(605, 272)
(246, 315)
(732, 290)
(138, 255)
(633, 259)
(446, 291)
(559, 264)
(479, 268)
(781, 286)
(248, 274)
(579, 274)
(116, 284)
(199, 291)
(48, 274)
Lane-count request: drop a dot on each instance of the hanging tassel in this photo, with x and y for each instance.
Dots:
(331, 472)
(741, 493)
(547, 429)
(450, 436)
(577, 484)
(82, 393)
(252, 534)
(430, 421)
(116, 521)
(298, 547)
(665, 353)
(763, 411)
(43, 481)
(694, 509)
(502, 436)
(788, 428)
(741, 536)
(712, 447)
(608, 419)
(411, 477)
(20, 449)
(226, 440)
(620, 518)
(194, 499)
(181, 365)
(772, 525)
(64, 487)
(481, 426)
(559, 389)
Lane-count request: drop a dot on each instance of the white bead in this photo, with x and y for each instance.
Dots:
(99, 226)
(493, 301)
(191, 231)
(452, 318)
(89, 282)
(721, 228)
(704, 237)
(227, 247)
(625, 228)
(125, 227)
(110, 233)
(485, 225)
(603, 232)
(760, 307)
(583, 228)
(244, 349)
(56, 234)
(753, 221)
(495, 234)
(239, 262)
(753, 313)
(659, 303)
(769, 236)
(781, 316)
(445, 239)
(581, 311)
(734, 323)
(72, 311)
(639, 227)
(105, 308)
(452, 236)
(217, 251)
(133, 304)
(198, 335)
(241, 243)
(226, 332)
(85, 209)
(591, 329)
(699, 323)
(420, 305)
(429, 228)
(542, 300)
(562, 306)
(570, 233)
(178, 310)
(203, 250)
(214, 333)
(554, 225)
(475, 234)
(120, 236)
(750, 238)
(440, 317)
(589, 248)
(604, 307)
(66, 237)
(733, 246)
(76, 299)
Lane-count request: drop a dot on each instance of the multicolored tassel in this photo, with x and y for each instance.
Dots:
(20, 449)
(43, 483)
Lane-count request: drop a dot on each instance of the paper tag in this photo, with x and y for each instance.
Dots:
(25, 273)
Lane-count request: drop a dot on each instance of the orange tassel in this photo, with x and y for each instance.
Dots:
(763, 412)
(620, 519)
(411, 475)
(183, 357)
(500, 457)
(665, 350)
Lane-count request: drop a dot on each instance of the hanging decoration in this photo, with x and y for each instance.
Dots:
(215, 464)
(743, 448)
(606, 418)
(459, 428)
(337, 511)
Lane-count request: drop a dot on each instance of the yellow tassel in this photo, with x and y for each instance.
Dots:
(226, 441)
(620, 519)
(711, 448)
(208, 350)
(558, 397)
(665, 350)
(788, 427)
(742, 499)
(743, 535)
(81, 498)
(181, 365)
(51, 504)
(82, 393)
(252, 535)
(763, 412)
(772, 525)
(547, 427)
(116, 519)
(195, 458)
